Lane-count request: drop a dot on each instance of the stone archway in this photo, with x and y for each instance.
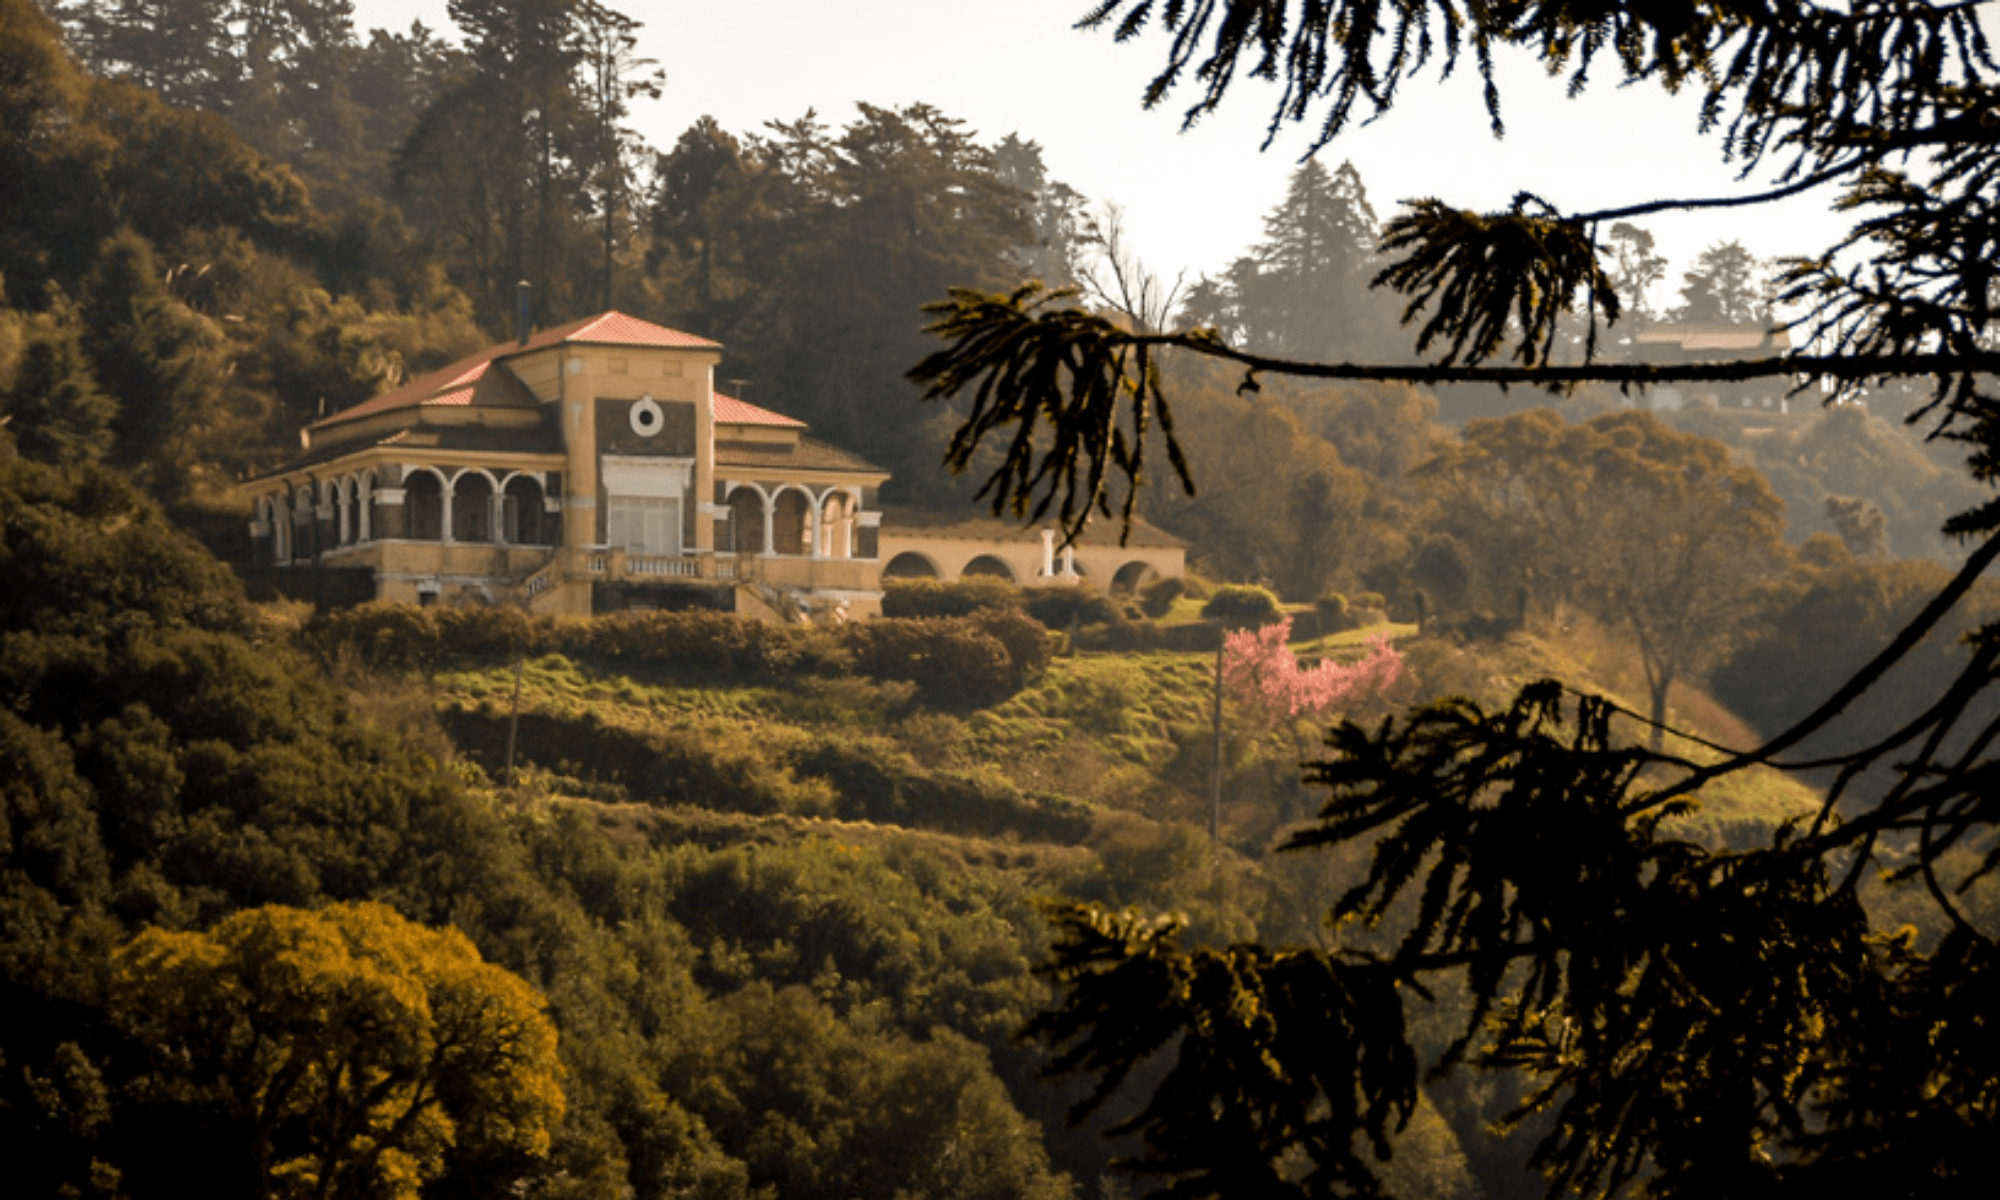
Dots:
(792, 524)
(472, 507)
(988, 566)
(423, 500)
(1133, 576)
(910, 565)
(524, 519)
(746, 519)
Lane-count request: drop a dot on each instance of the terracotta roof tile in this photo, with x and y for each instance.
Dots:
(807, 455)
(613, 329)
(480, 438)
(472, 380)
(731, 411)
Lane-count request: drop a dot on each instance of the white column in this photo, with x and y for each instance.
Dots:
(770, 525)
(1048, 552)
(1069, 562)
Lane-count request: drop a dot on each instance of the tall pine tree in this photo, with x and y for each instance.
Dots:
(1303, 291)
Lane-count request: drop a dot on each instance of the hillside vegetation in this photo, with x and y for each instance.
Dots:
(778, 887)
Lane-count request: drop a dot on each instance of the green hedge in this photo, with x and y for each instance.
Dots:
(1241, 605)
(936, 598)
(975, 659)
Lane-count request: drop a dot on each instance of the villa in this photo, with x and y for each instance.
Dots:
(593, 467)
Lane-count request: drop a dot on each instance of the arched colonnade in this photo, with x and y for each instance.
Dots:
(466, 505)
(790, 519)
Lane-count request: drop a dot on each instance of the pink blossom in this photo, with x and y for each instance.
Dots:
(1264, 676)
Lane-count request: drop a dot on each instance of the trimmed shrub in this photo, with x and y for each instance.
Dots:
(1026, 640)
(1157, 598)
(693, 640)
(1333, 613)
(952, 662)
(1241, 605)
(936, 598)
(1060, 607)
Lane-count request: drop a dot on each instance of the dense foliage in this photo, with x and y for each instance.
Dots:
(1683, 1020)
(200, 835)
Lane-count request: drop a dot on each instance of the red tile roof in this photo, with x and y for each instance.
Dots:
(469, 381)
(731, 411)
(616, 329)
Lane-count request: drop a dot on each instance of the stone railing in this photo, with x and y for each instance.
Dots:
(603, 564)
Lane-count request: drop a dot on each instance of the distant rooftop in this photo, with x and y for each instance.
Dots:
(472, 381)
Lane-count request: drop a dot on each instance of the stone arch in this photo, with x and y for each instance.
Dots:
(472, 502)
(748, 506)
(1133, 576)
(794, 520)
(911, 565)
(989, 566)
(839, 509)
(524, 515)
(424, 504)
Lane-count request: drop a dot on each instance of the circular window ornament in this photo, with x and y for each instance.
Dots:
(647, 419)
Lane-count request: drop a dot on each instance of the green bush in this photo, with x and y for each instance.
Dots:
(1372, 600)
(1241, 604)
(1122, 637)
(936, 598)
(975, 659)
(1333, 613)
(1026, 640)
(1061, 607)
(952, 662)
(701, 641)
(1157, 598)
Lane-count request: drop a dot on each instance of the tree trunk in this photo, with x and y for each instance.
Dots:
(1659, 684)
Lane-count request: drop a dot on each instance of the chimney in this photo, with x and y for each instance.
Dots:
(523, 292)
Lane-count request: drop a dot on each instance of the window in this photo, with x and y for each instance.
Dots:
(644, 524)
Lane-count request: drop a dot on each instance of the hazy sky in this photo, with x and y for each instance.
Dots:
(1195, 200)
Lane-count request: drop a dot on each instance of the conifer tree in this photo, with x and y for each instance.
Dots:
(55, 411)
(1303, 291)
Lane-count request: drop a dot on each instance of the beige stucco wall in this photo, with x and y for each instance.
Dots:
(574, 377)
(1098, 565)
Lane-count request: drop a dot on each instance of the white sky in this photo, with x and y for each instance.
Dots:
(1193, 201)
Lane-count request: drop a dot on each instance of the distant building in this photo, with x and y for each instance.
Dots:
(593, 467)
(1688, 343)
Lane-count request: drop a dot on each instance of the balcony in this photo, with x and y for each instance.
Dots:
(608, 564)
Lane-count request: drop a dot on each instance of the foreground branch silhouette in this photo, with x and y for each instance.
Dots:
(1688, 1019)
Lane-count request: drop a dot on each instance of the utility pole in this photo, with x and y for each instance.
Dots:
(1215, 793)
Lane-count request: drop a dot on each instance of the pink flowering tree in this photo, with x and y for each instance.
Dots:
(1263, 675)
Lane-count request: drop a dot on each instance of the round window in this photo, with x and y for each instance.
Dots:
(647, 419)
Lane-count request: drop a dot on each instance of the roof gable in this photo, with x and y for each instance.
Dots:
(472, 380)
